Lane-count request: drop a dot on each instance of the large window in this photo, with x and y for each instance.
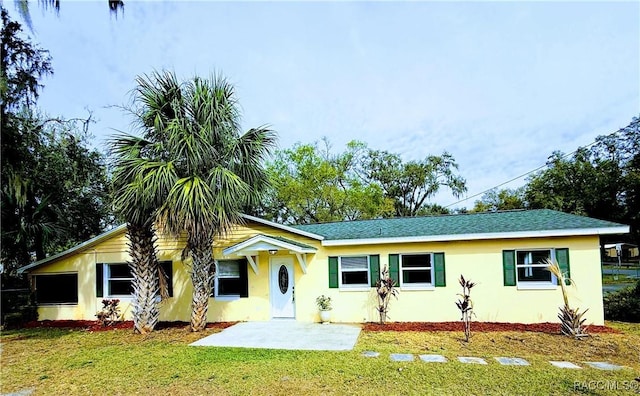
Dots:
(532, 268)
(56, 288)
(231, 279)
(354, 271)
(417, 270)
(114, 280)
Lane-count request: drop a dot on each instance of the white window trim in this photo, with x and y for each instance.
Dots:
(223, 297)
(537, 285)
(106, 268)
(417, 286)
(359, 286)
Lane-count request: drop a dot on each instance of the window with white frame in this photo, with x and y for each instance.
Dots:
(532, 267)
(118, 280)
(354, 271)
(416, 270)
(230, 279)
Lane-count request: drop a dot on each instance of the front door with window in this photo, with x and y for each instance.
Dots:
(282, 297)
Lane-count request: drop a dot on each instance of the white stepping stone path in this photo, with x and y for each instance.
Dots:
(563, 364)
(433, 358)
(508, 361)
(472, 360)
(401, 357)
(604, 365)
(505, 361)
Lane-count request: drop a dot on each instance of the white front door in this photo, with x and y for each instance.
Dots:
(282, 298)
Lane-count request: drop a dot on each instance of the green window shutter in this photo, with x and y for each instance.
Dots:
(438, 264)
(374, 269)
(394, 268)
(244, 279)
(333, 272)
(167, 268)
(509, 267)
(99, 279)
(562, 257)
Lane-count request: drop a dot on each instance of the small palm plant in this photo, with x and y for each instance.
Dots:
(465, 305)
(571, 320)
(385, 288)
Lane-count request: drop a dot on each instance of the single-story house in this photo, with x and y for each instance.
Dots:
(267, 270)
(621, 252)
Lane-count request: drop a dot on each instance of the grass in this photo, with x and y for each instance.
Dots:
(609, 279)
(60, 361)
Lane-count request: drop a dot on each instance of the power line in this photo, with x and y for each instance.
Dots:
(528, 173)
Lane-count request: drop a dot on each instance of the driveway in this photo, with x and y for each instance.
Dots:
(285, 334)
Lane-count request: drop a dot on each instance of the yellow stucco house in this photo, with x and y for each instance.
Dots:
(267, 270)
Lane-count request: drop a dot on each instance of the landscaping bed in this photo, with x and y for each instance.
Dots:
(94, 325)
(549, 328)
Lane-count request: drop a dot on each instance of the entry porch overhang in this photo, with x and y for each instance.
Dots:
(251, 248)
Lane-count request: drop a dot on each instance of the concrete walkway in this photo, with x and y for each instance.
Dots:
(285, 334)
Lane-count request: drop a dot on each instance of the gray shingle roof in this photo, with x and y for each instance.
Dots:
(474, 223)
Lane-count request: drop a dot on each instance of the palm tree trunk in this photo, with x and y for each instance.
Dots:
(144, 269)
(201, 277)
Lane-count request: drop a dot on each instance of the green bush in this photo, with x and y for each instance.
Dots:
(623, 305)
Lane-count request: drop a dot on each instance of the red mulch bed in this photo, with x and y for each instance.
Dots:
(552, 328)
(94, 325)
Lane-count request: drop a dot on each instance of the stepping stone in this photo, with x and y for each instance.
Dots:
(401, 357)
(604, 365)
(567, 365)
(507, 361)
(473, 360)
(370, 354)
(433, 358)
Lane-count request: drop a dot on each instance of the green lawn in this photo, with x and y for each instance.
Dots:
(609, 279)
(58, 361)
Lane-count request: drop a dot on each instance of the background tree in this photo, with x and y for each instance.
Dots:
(504, 199)
(53, 184)
(601, 182)
(311, 184)
(203, 168)
(22, 6)
(411, 184)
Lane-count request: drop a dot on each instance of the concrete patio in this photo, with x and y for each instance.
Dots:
(285, 334)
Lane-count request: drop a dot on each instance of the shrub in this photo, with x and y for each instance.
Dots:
(623, 305)
(571, 319)
(385, 288)
(465, 305)
(110, 312)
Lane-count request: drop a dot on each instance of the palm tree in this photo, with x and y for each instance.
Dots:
(203, 170)
(137, 195)
(130, 203)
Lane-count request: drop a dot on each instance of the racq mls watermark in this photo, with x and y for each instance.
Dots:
(632, 385)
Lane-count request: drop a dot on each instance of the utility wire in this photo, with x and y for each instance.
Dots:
(528, 173)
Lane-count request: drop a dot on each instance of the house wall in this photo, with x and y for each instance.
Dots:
(178, 307)
(480, 261)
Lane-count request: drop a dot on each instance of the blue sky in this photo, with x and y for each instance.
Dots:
(500, 85)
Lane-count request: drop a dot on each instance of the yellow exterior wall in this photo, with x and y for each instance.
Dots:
(480, 261)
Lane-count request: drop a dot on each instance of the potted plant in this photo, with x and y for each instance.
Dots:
(324, 306)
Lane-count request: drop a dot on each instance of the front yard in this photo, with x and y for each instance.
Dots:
(62, 361)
